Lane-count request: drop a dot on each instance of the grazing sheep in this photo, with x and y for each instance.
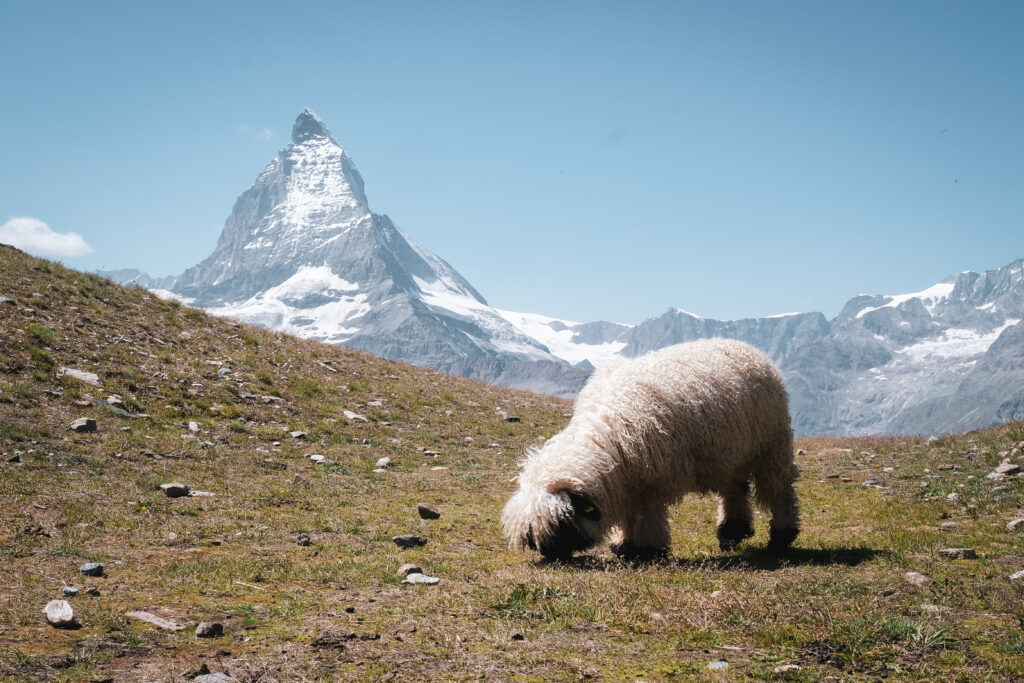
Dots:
(708, 416)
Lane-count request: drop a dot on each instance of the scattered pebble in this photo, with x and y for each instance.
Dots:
(209, 629)
(349, 415)
(786, 668)
(1015, 524)
(216, 677)
(512, 418)
(801, 451)
(91, 569)
(720, 665)
(410, 568)
(302, 539)
(81, 375)
(919, 580)
(83, 424)
(70, 591)
(934, 608)
(428, 511)
(949, 526)
(1017, 575)
(416, 577)
(953, 496)
(59, 613)
(193, 426)
(92, 592)
(160, 622)
(316, 457)
(409, 541)
(298, 435)
(658, 620)
(959, 553)
(384, 462)
(175, 490)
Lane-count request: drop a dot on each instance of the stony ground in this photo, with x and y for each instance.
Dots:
(293, 557)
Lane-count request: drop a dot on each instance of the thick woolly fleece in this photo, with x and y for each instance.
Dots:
(707, 416)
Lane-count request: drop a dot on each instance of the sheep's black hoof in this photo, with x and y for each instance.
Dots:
(779, 540)
(638, 553)
(732, 531)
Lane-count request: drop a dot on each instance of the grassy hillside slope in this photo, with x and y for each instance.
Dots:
(838, 606)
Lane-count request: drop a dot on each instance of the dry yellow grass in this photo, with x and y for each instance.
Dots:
(838, 606)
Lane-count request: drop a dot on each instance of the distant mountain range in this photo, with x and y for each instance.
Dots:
(302, 253)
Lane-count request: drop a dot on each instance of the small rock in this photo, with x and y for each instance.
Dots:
(59, 613)
(407, 569)
(298, 435)
(303, 540)
(432, 454)
(81, 375)
(1006, 467)
(416, 577)
(349, 415)
(428, 511)
(786, 668)
(1015, 524)
(216, 677)
(209, 629)
(959, 553)
(70, 591)
(317, 457)
(801, 451)
(92, 592)
(91, 569)
(949, 526)
(934, 608)
(1017, 575)
(919, 580)
(953, 497)
(385, 462)
(193, 426)
(159, 622)
(512, 418)
(299, 480)
(720, 665)
(409, 541)
(14, 458)
(174, 490)
(380, 470)
(83, 424)
(658, 620)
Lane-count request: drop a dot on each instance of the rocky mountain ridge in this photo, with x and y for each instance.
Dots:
(303, 253)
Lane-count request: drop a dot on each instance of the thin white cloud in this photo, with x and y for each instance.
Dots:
(37, 238)
(258, 133)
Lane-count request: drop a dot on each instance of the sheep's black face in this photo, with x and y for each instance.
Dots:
(571, 534)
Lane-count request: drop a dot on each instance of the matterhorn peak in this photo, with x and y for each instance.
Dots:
(308, 125)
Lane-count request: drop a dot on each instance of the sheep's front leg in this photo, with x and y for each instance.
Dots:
(735, 517)
(645, 536)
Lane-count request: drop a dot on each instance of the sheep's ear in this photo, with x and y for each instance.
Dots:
(566, 484)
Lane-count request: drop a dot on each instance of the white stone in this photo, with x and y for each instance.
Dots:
(59, 613)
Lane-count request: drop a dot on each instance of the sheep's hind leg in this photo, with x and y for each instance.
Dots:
(645, 537)
(775, 493)
(735, 518)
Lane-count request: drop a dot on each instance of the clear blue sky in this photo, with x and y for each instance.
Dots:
(583, 160)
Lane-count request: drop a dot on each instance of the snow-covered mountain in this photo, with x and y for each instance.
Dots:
(303, 253)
